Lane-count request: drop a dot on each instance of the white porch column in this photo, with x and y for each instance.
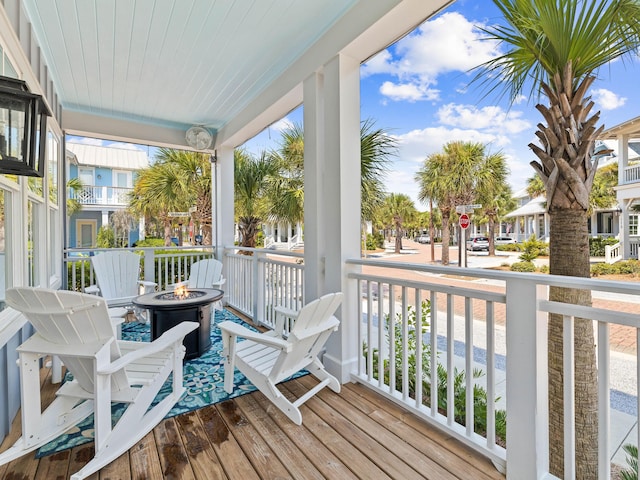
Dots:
(334, 196)
(222, 196)
(105, 217)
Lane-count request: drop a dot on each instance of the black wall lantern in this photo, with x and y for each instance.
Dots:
(23, 129)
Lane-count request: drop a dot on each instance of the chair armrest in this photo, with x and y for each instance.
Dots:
(176, 285)
(92, 290)
(287, 312)
(165, 340)
(148, 286)
(235, 330)
(219, 283)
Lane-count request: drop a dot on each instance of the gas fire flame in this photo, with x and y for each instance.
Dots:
(181, 292)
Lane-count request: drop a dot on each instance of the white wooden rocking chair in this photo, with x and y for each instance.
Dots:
(269, 358)
(77, 327)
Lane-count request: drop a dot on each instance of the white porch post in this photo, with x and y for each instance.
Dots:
(223, 203)
(623, 163)
(332, 198)
(527, 390)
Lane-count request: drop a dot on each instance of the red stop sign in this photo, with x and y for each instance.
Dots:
(464, 221)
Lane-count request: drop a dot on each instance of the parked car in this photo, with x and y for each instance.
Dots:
(504, 240)
(423, 239)
(478, 243)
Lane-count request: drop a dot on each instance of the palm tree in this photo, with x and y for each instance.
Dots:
(251, 177)
(433, 190)
(399, 208)
(177, 181)
(458, 176)
(75, 185)
(286, 193)
(556, 49)
(154, 195)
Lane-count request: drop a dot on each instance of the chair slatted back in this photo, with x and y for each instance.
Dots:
(205, 273)
(69, 319)
(117, 274)
(311, 329)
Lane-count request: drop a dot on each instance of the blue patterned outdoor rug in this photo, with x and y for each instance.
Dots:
(203, 380)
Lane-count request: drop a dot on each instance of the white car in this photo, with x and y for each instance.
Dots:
(504, 240)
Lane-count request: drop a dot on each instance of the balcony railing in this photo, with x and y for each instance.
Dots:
(94, 195)
(417, 338)
(632, 174)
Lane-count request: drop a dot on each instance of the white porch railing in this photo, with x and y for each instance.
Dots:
(260, 282)
(632, 174)
(94, 195)
(165, 265)
(472, 328)
(613, 253)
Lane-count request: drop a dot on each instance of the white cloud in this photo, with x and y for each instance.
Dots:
(88, 141)
(281, 125)
(450, 43)
(127, 146)
(408, 91)
(607, 100)
(491, 118)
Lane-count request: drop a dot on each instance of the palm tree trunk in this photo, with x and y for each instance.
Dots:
(446, 237)
(569, 255)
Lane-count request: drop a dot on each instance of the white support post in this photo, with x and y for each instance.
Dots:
(527, 390)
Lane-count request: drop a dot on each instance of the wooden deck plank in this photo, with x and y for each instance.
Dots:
(234, 461)
(356, 434)
(371, 438)
(119, 468)
(144, 458)
(174, 460)
(257, 450)
(289, 452)
(341, 447)
(54, 466)
(203, 459)
(309, 445)
(412, 461)
(443, 443)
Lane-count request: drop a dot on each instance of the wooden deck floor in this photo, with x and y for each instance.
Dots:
(356, 434)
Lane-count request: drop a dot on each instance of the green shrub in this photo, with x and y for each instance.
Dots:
(105, 238)
(150, 242)
(625, 267)
(597, 244)
(532, 249)
(75, 270)
(630, 473)
(544, 269)
(509, 247)
(375, 241)
(523, 267)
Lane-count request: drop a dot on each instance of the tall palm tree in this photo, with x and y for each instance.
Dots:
(251, 176)
(286, 196)
(154, 195)
(458, 176)
(555, 48)
(399, 209)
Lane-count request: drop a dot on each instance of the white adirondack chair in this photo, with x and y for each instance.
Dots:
(76, 326)
(117, 275)
(269, 358)
(205, 274)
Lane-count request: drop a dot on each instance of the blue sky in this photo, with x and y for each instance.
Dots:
(418, 90)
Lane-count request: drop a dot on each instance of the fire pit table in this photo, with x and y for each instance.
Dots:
(169, 308)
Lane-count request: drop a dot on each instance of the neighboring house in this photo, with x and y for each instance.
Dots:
(282, 235)
(107, 175)
(531, 218)
(625, 138)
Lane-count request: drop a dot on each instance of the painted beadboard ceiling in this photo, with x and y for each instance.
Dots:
(173, 63)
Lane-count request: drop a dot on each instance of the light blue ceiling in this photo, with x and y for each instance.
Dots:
(173, 63)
